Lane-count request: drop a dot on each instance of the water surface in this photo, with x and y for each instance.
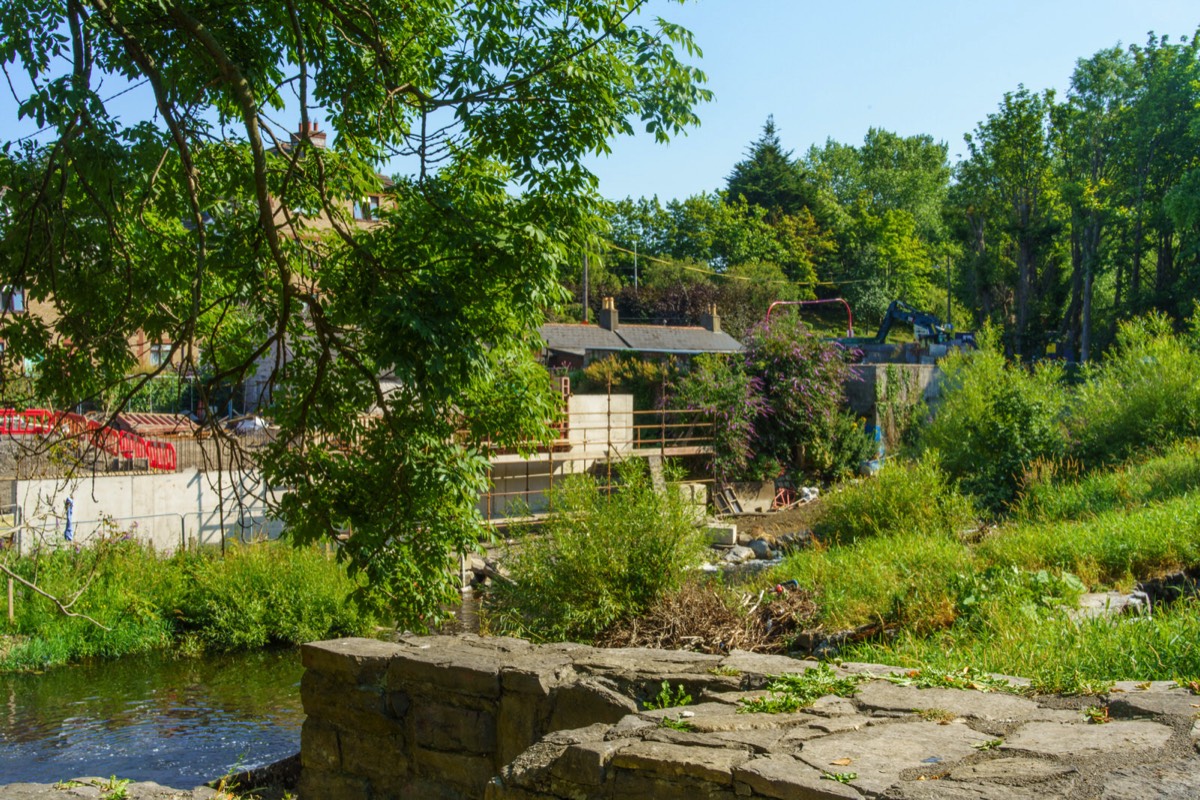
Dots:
(179, 722)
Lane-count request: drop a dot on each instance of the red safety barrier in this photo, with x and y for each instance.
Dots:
(33, 422)
(128, 446)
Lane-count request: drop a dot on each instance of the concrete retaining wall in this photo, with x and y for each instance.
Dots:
(168, 510)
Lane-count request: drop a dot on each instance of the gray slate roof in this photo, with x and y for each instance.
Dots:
(676, 339)
(579, 338)
(643, 338)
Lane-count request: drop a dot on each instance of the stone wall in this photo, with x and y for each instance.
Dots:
(438, 717)
(500, 719)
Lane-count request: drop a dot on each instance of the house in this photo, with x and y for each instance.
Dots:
(574, 345)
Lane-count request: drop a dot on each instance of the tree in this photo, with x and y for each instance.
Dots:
(768, 176)
(1012, 152)
(208, 228)
(1087, 129)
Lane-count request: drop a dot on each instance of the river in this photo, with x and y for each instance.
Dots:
(178, 722)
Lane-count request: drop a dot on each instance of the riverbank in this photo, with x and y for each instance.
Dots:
(135, 601)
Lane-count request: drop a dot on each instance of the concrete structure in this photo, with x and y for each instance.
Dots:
(169, 511)
(501, 719)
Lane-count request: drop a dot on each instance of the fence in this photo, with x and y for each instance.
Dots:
(596, 432)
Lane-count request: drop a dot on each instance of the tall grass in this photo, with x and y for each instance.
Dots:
(1062, 490)
(1056, 652)
(1114, 548)
(903, 498)
(258, 595)
(902, 578)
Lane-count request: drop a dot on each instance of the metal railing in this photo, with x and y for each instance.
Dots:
(521, 487)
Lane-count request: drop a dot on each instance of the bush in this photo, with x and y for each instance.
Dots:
(600, 558)
(718, 386)
(803, 382)
(903, 498)
(255, 596)
(1144, 394)
(995, 419)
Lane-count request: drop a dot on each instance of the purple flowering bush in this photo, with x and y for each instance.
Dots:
(802, 377)
(779, 408)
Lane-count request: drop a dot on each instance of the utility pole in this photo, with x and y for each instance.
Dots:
(948, 322)
(585, 288)
(635, 279)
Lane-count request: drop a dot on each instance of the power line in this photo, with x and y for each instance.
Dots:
(714, 273)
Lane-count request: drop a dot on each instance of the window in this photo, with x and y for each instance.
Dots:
(367, 208)
(160, 354)
(12, 300)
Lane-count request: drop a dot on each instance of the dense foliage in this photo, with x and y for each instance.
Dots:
(1066, 216)
(255, 596)
(599, 558)
(779, 407)
(394, 347)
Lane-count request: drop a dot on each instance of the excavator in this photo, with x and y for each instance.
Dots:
(927, 328)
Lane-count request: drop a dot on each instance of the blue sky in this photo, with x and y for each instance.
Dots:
(835, 69)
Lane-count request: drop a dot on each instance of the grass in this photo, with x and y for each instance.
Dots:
(256, 596)
(794, 691)
(961, 607)
(903, 578)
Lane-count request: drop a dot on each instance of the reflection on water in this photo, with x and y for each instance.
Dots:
(177, 722)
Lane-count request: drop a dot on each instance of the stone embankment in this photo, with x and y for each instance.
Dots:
(501, 719)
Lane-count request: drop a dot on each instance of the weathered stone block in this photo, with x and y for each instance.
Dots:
(785, 778)
(1174, 703)
(521, 721)
(585, 763)
(630, 785)
(469, 773)
(374, 755)
(350, 707)
(319, 747)
(581, 704)
(356, 660)
(714, 765)
(441, 727)
(333, 786)
(880, 753)
(461, 670)
(992, 706)
(1082, 739)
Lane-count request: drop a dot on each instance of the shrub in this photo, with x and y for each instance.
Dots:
(717, 386)
(600, 558)
(803, 382)
(1144, 394)
(994, 419)
(914, 497)
(625, 372)
(257, 595)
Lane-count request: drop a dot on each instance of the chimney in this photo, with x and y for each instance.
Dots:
(315, 136)
(710, 321)
(608, 315)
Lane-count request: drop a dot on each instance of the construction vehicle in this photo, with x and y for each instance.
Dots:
(927, 328)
